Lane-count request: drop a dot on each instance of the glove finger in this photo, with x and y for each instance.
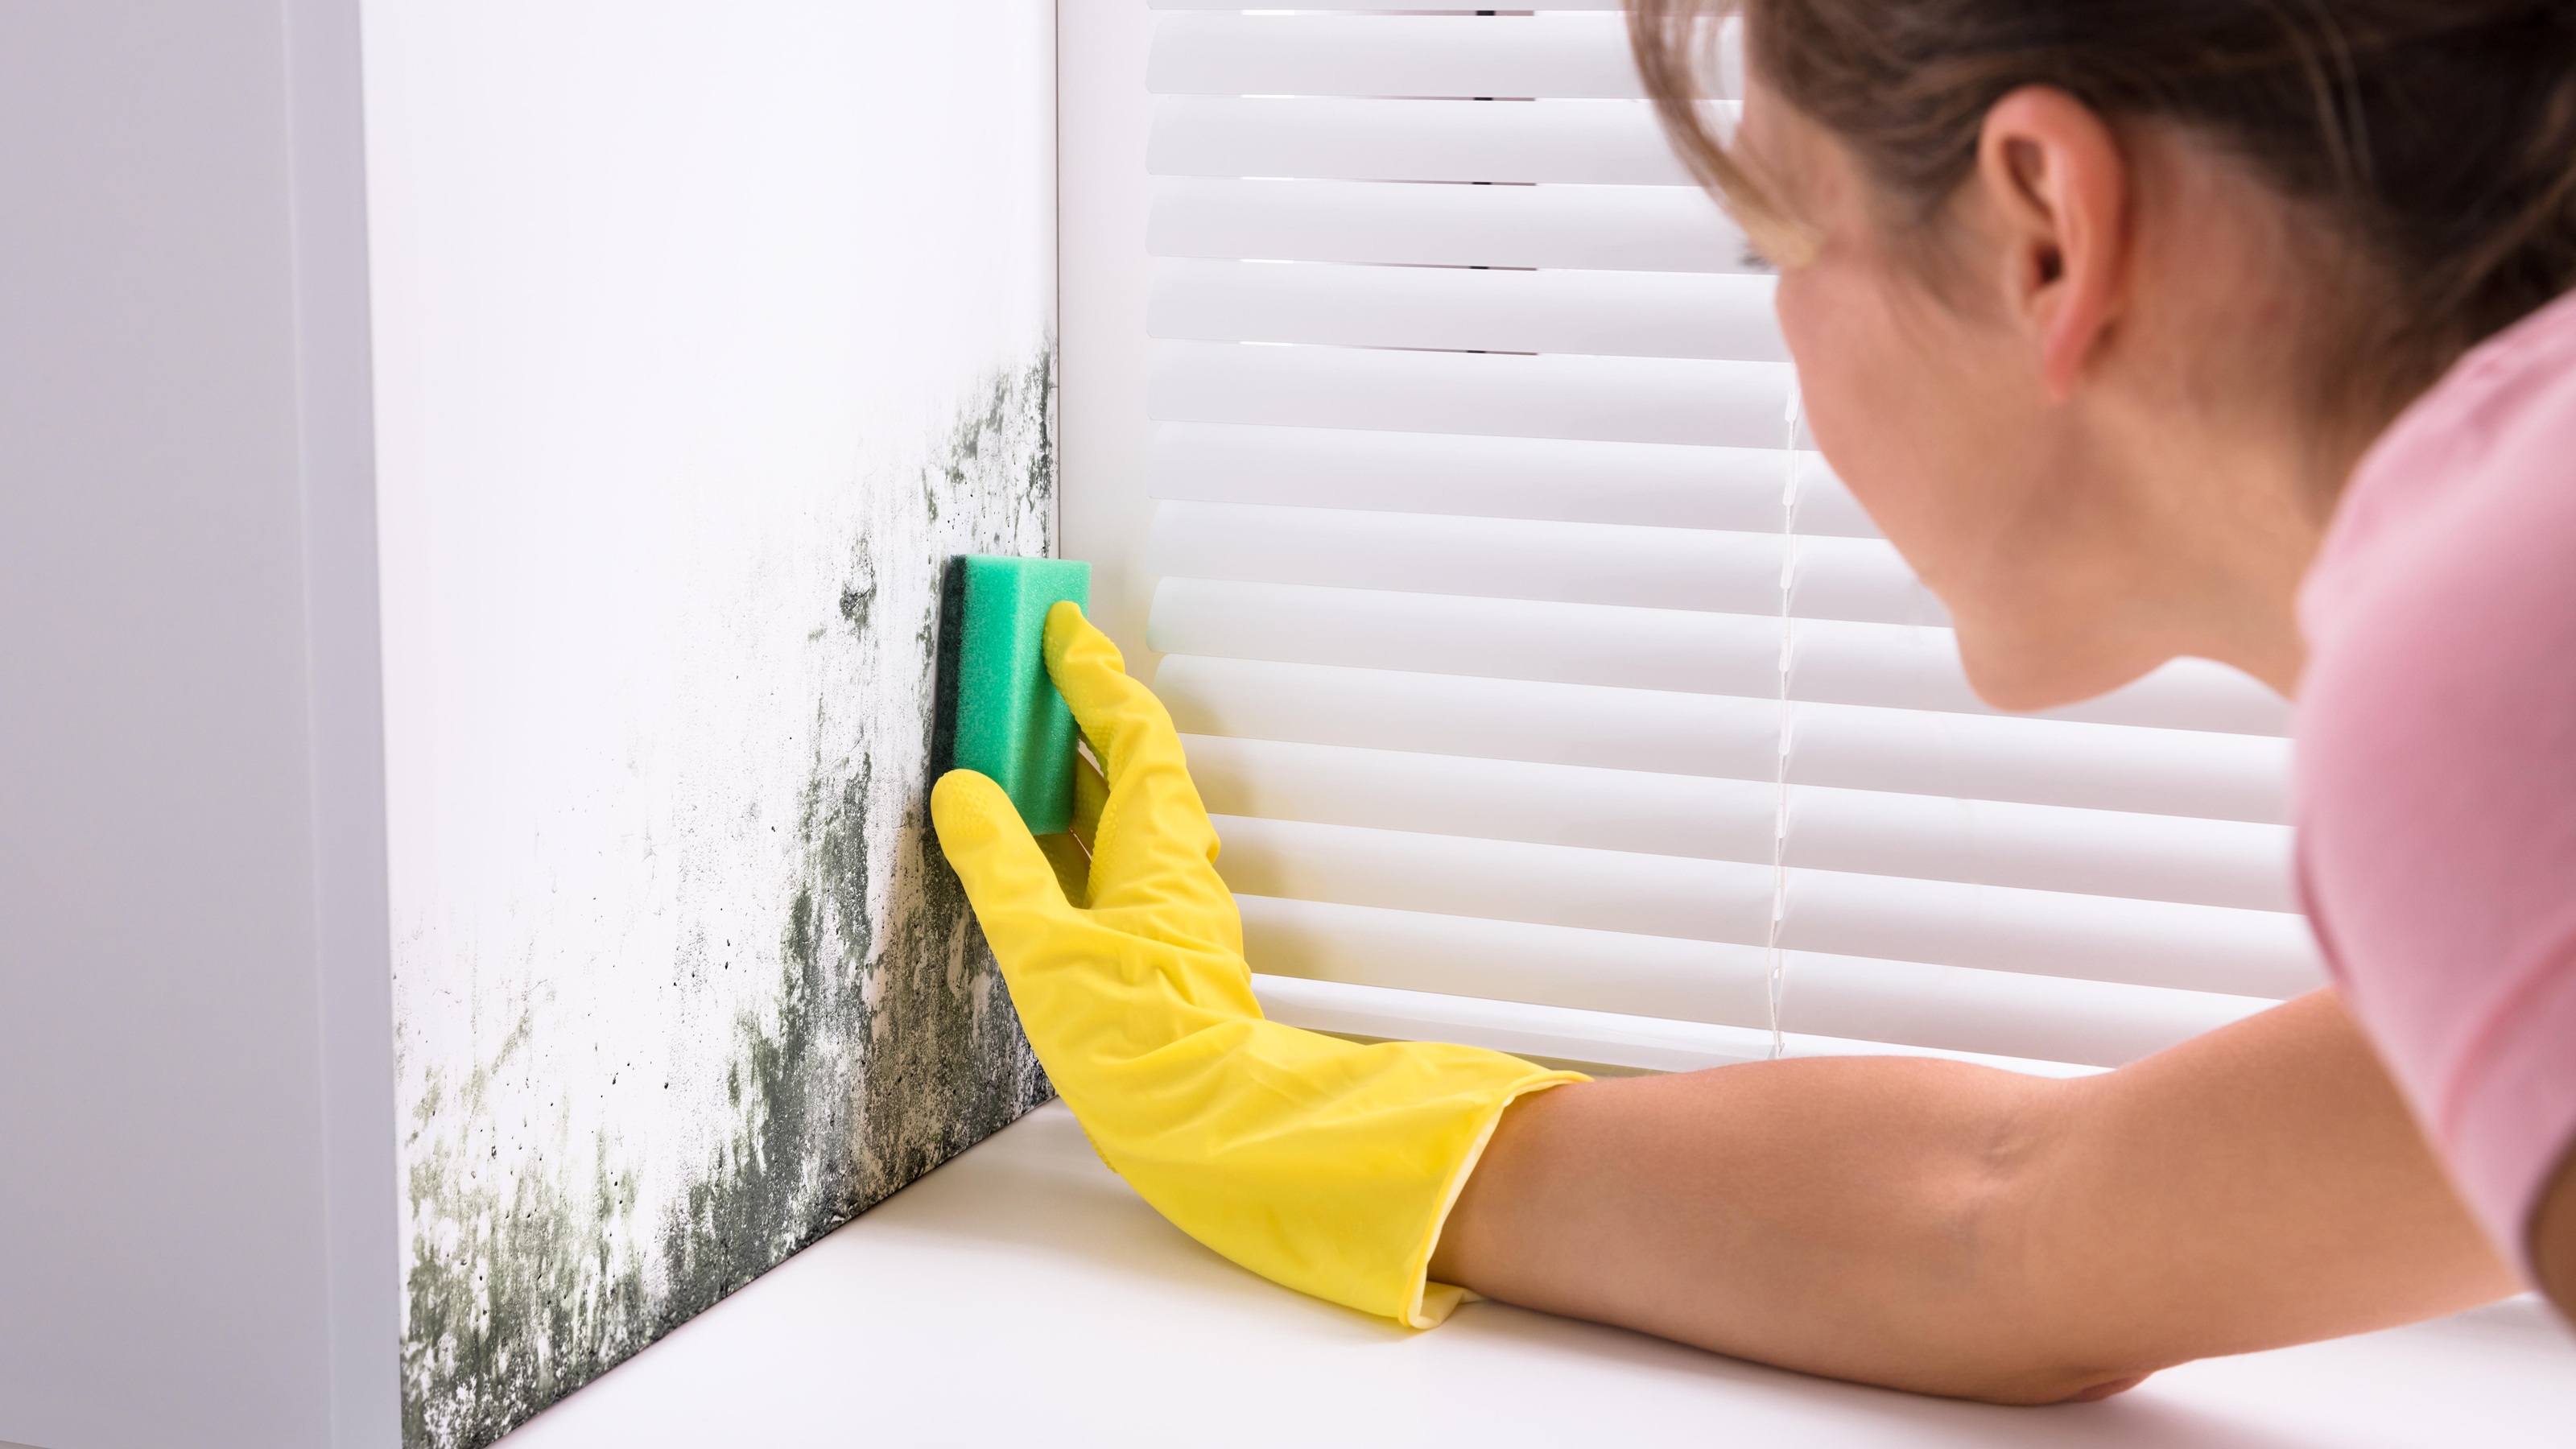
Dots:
(1118, 715)
(1014, 889)
(1153, 845)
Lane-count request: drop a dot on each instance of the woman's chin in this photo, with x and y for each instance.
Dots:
(2099, 1392)
(2023, 676)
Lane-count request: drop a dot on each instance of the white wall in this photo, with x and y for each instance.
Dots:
(194, 1061)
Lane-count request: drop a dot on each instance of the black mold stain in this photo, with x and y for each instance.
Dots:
(946, 1064)
(893, 1048)
(528, 1303)
(942, 1034)
(784, 1178)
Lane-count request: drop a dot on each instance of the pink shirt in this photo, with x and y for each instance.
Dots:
(2437, 762)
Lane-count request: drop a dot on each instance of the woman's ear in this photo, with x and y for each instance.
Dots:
(2056, 184)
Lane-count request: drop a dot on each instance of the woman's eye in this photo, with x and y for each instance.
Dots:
(1754, 261)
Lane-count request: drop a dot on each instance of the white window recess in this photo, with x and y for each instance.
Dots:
(1549, 691)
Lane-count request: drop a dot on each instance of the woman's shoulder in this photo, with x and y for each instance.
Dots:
(2441, 612)
(2444, 598)
(2467, 503)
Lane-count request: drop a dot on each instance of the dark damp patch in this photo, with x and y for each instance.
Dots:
(947, 1064)
(528, 1300)
(1012, 428)
(890, 1048)
(945, 1061)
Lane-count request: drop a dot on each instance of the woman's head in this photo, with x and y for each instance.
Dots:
(2097, 300)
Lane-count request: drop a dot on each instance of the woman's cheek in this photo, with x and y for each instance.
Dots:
(1833, 376)
(1810, 348)
(1868, 395)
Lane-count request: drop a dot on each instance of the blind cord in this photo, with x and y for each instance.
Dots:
(1789, 491)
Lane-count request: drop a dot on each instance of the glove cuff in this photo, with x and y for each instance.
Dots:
(1432, 1303)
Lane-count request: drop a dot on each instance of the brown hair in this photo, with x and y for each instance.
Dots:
(2438, 135)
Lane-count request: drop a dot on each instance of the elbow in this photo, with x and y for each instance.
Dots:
(2047, 1338)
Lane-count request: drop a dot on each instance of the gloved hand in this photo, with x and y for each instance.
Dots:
(1315, 1162)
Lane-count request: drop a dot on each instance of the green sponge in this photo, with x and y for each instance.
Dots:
(997, 712)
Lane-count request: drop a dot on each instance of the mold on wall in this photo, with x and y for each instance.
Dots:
(862, 1038)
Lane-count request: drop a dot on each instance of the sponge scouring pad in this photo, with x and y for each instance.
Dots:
(998, 714)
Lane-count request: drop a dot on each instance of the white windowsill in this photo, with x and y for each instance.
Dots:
(1021, 1294)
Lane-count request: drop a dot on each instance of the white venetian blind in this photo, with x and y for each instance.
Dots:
(1548, 693)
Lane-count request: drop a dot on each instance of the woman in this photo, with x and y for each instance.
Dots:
(2216, 327)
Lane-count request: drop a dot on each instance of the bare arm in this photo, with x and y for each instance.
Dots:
(1956, 1230)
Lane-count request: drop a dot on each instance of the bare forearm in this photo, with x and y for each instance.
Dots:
(1944, 1228)
(1834, 1216)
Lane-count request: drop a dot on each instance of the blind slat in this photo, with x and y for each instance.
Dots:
(1572, 55)
(1595, 228)
(1655, 568)
(1600, 644)
(1996, 1013)
(1588, 806)
(1950, 1008)
(1646, 1043)
(1983, 757)
(2033, 847)
(1502, 880)
(2178, 858)
(1643, 1042)
(1653, 485)
(1504, 719)
(1544, 965)
(1994, 928)
(1619, 314)
(1625, 646)
(1603, 399)
(2074, 763)
(2052, 933)
(1609, 143)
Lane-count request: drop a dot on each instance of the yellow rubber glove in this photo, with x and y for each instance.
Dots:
(1315, 1162)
